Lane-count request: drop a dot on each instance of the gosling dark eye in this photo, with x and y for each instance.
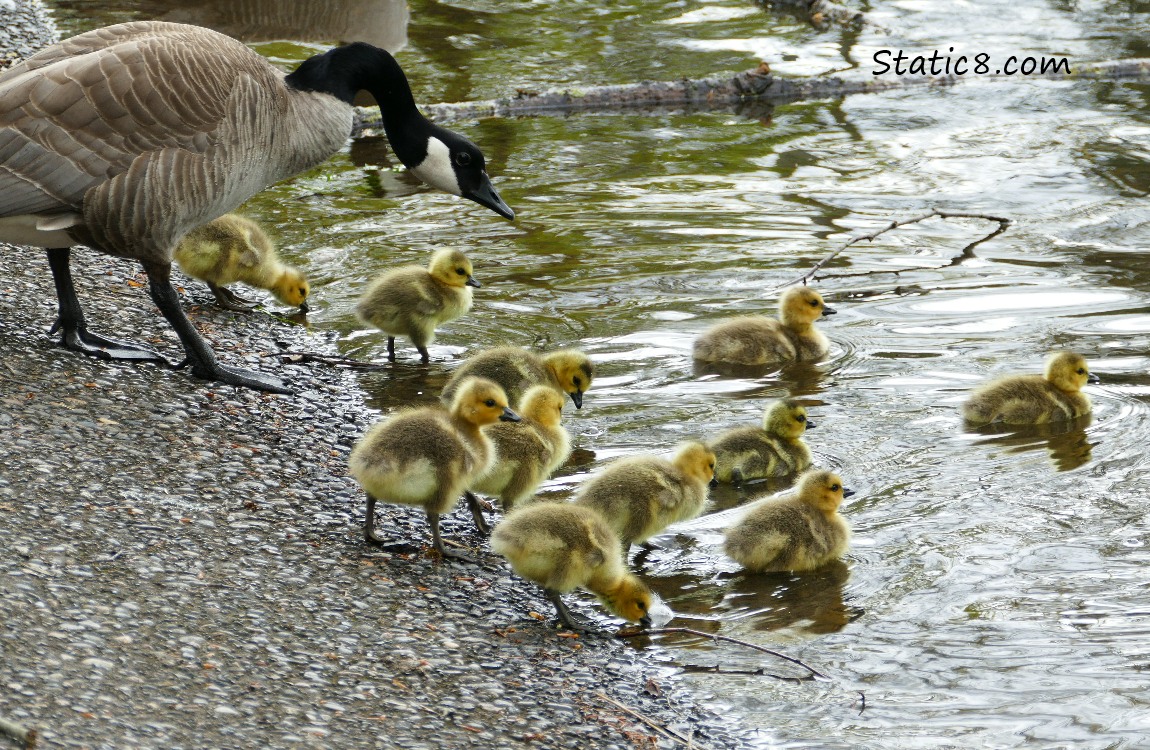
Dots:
(815, 303)
(642, 606)
(463, 158)
(490, 402)
(800, 418)
(577, 381)
(834, 488)
(461, 272)
(1081, 371)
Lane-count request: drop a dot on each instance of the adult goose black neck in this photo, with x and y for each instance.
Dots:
(343, 71)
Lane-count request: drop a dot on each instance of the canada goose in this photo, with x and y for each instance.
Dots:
(774, 450)
(125, 138)
(798, 531)
(413, 300)
(526, 452)
(562, 547)
(642, 495)
(757, 340)
(1055, 396)
(427, 456)
(568, 371)
(235, 248)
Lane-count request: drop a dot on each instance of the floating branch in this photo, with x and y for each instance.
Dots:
(666, 731)
(814, 673)
(299, 358)
(1003, 223)
(757, 85)
(19, 733)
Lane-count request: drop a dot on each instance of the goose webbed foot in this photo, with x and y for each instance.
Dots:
(475, 505)
(239, 377)
(437, 543)
(229, 300)
(569, 621)
(77, 338)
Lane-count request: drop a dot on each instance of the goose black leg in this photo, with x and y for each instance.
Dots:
(391, 348)
(424, 357)
(70, 322)
(476, 507)
(566, 618)
(437, 542)
(229, 300)
(199, 354)
(370, 535)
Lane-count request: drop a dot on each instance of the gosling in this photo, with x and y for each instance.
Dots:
(526, 452)
(642, 495)
(561, 547)
(1055, 396)
(799, 531)
(413, 301)
(234, 248)
(775, 450)
(428, 456)
(757, 340)
(568, 371)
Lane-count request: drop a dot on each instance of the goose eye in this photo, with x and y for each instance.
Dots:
(814, 303)
(577, 381)
(461, 272)
(801, 418)
(490, 402)
(463, 158)
(1081, 371)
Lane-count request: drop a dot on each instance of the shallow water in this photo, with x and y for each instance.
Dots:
(996, 590)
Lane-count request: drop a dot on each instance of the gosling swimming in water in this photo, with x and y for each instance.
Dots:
(427, 456)
(758, 340)
(774, 450)
(642, 495)
(528, 451)
(562, 547)
(234, 248)
(1055, 396)
(799, 531)
(413, 301)
(568, 371)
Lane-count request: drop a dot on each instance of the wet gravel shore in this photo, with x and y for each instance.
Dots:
(181, 563)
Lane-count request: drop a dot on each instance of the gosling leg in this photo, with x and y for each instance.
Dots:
(566, 618)
(424, 357)
(476, 507)
(372, 538)
(391, 348)
(229, 300)
(736, 477)
(198, 353)
(74, 330)
(437, 542)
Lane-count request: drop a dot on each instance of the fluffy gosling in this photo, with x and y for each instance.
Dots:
(234, 248)
(427, 456)
(413, 301)
(799, 531)
(568, 371)
(1055, 396)
(562, 547)
(642, 495)
(757, 340)
(526, 452)
(774, 450)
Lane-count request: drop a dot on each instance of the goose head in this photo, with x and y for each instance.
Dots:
(440, 157)
(823, 490)
(452, 267)
(574, 372)
(696, 460)
(481, 402)
(291, 288)
(801, 306)
(1068, 372)
(629, 598)
(542, 405)
(786, 418)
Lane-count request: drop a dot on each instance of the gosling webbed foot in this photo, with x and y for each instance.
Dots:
(567, 620)
(229, 300)
(78, 338)
(437, 543)
(475, 505)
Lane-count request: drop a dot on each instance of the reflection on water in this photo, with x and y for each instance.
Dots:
(1066, 442)
(996, 593)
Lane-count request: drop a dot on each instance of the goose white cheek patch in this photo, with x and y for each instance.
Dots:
(436, 169)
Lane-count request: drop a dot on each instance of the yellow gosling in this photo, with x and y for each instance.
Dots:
(757, 340)
(774, 450)
(799, 531)
(412, 301)
(234, 248)
(427, 456)
(562, 547)
(1055, 396)
(642, 495)
(568, 371)
(526, 452)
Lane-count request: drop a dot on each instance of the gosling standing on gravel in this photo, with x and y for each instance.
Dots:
(774, 450)
(799, 531)
(1055, 396)
(758, 340)
(413, 301)
(234, 248)
(563, 547)
(568, 371)
(642, 495)
(427, 456)
(526, 452)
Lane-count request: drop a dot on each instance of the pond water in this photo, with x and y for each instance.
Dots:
(996, 593)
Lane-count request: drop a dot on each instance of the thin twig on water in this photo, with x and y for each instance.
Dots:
(298, 358)
(19, 733)
(728, 639)
(1003, 223)
(665, 731)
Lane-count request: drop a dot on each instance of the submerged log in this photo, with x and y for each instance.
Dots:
(758, 85)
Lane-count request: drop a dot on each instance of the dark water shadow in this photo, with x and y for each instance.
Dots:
(1066, 442)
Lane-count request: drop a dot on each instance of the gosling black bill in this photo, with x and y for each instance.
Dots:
(509, 416)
